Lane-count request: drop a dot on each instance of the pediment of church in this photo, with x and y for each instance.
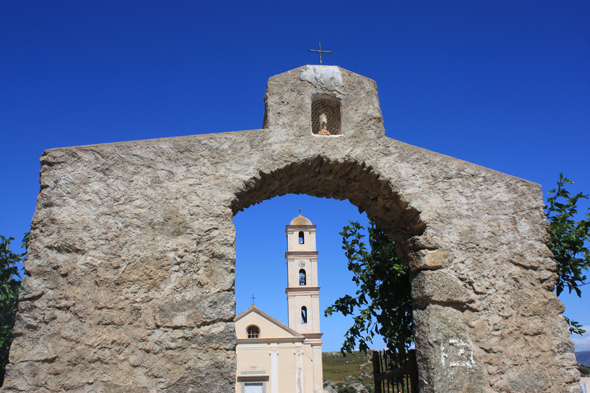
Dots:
(269, 328)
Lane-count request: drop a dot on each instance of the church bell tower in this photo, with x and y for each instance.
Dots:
(302, 287)
(303, 294)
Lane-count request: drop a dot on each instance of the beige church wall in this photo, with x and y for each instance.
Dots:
(308, 371)
(313, 368)
(259, 354)
(287, 368)
(130, 267)
(318, 368)
(255, 354)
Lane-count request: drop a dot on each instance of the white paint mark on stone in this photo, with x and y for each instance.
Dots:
(460, 352)
(328, 77)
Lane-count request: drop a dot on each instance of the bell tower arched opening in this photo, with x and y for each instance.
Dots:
(302, 277)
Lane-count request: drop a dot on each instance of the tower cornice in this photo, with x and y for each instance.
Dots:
(313, 336)
(312, 252)
(299, 227)
(311, 290)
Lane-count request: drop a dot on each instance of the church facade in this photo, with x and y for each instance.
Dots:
(271, 356)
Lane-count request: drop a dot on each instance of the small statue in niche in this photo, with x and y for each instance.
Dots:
(324, 125)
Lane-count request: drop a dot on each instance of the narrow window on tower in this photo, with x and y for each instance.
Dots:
(301, 239)
(302, 277)
(303, 314)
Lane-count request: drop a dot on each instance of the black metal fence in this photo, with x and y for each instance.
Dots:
(395, 372)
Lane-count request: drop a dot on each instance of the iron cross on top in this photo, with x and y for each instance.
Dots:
(320, 51)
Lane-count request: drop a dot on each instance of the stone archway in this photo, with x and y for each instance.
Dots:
(130, 268)
(351, 181)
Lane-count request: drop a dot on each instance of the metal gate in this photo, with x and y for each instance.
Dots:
(395, 372)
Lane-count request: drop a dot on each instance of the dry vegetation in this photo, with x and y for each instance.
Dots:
(342, 371)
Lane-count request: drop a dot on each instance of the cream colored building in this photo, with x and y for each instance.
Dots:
(273, 357)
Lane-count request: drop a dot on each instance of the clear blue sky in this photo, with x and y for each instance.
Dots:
(502, 84)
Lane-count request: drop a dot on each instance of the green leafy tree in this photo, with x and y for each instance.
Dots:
(568, 239)
(382, 302)
(9, 289)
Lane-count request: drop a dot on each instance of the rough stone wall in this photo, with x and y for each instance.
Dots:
(130, 269)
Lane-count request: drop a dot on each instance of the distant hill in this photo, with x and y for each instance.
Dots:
(583, 357)
(353, 370)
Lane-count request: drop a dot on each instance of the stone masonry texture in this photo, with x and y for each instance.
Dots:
(129, 282)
